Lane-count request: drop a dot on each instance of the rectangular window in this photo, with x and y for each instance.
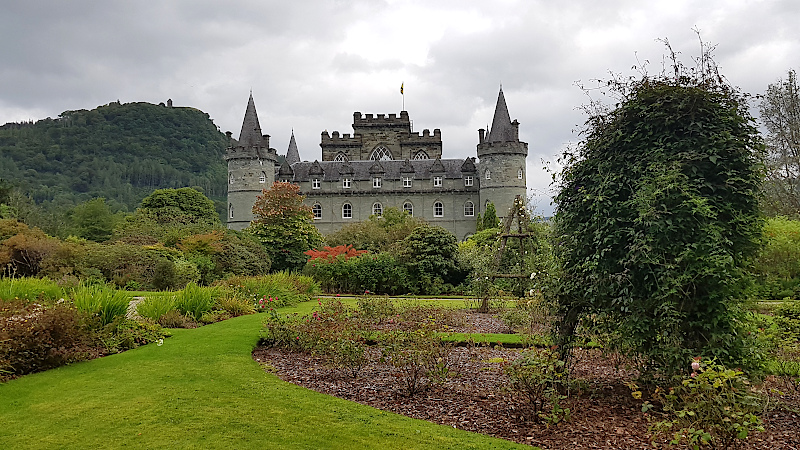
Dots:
(468, 180)
(346, 183)
(406, 182)
(376, 182)
(437, 181)
(316, 183)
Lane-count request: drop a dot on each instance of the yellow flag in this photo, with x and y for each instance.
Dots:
(401, 87)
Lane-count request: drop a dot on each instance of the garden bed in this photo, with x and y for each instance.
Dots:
(475, 397)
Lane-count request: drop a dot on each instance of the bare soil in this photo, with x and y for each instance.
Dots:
(475, 397)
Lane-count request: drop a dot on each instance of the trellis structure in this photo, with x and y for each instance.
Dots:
(517, 213)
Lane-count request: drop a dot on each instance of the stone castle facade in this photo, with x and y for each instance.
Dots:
(382, 164)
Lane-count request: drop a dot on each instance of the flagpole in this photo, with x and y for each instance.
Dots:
(403, 95)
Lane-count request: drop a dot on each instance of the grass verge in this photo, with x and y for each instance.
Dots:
(200, 389)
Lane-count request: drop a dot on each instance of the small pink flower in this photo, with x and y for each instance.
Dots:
(694, 374)
(695, 365)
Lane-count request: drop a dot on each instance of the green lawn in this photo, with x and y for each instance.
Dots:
(201, 389)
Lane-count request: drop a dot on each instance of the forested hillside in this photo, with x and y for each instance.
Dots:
(118, 151)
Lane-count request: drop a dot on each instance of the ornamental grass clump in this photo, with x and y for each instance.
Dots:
(194, 300)
(100, 301)
(29, 289)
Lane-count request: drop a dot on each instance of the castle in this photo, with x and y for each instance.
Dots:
(383, 164)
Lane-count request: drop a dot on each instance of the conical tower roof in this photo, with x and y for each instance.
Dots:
(502, 130)
(250, 136)
(292, 155)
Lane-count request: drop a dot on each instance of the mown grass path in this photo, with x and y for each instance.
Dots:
(201, 389)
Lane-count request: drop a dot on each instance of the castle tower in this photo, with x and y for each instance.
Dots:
(251, 168)
(501, 169)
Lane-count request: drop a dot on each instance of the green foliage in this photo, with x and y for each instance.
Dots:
(183, 205)
(125, 334)
(156, 306)
(118, 151)
(780, 114)
(376, 308)
(103, 302)
(420, 355)
(284, 288)
(657, 214)
(380, 274)
(378, 234)
(284, 226)
(490, 219)
(30, 290)
(93, 220)
(430, 253)
(711, 406)
(777, 266)
(540, 376)
(194, 300)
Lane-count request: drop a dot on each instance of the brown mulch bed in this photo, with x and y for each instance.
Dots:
(475, 397)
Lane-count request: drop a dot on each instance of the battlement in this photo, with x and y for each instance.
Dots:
(505, 148)
(335, 139)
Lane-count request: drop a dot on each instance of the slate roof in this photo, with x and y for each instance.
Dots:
(250, 136)
(502, 130)
(394, 169)
(292, 154)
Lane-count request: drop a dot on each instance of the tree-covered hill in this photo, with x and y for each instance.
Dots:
(118, 151)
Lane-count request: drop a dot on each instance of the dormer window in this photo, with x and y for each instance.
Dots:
(437, 181)
(376, 182)
(406, 182)
(468, 180)
(316, 183)
(346, 183)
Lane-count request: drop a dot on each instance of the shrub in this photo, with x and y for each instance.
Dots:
(174, 319)
(235, 306)
(540, 376)
(125, 334)
(711, 405)
(215, 316)
(35, 337)
(102, 302)
(420, 355)
(375, 308)
(286, 289)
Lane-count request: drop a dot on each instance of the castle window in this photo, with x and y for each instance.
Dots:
(469, 209)
(346, 183)
(381, 153)
(437, 181)
(438, 209)
(421, 155)
(520, 174)
(347, 211)
(230, 210)
(263, 178)
(377, 209)
(230, 178)
(340, 157)
(488, 174)
(317, 211)
(376, 182)
(409, 208)
(406, 182)
(316, 183)
(468, 180)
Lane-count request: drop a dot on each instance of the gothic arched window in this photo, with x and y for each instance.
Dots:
(381, 153)
(421, 155)
(317, 211)
(347, 211)
(377, 209)
(263, 178)
(340, 157)
(409, 208)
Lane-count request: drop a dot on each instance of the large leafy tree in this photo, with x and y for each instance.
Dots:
(284, 226)
(780, 113)
(656, 214)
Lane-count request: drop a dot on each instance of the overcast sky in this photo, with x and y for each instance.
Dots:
(312, 63)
